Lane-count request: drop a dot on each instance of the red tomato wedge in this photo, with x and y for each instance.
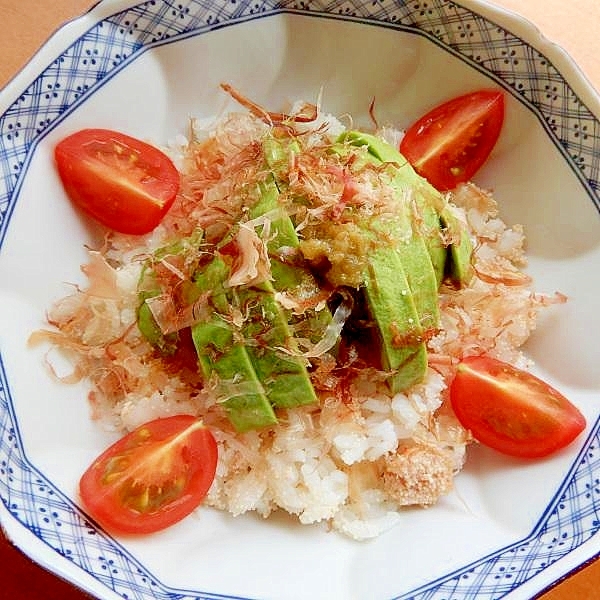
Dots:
(511, 410)
(124, 183)
(153, 477)
(449, 144)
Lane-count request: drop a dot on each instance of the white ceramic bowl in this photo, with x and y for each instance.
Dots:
(509, 527)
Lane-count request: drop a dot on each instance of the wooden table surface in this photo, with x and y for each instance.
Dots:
(574, 25)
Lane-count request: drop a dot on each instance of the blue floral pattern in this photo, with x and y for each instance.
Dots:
(572, 516)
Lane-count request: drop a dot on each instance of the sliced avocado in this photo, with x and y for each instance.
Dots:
(422, 280)
(286, 380)
(291, 277)
(282, 228)
(277, 153)
(148, 287)
(385, 153)
(459, 267)
(406, 237)
(284, 376)
(454, 261)
(407, 243)
(166, 344)
(238, 386)
(221, 354)
(391, 306)
(254, 374)
(429, 201)
(401, 285)
(401, 292)
(282, 234)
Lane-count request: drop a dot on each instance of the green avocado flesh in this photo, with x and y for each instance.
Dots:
(453, 260)
(403, 278)
(167, 344)
(283, 235)
(459, 268)
(392, 307)
(285, 377)
(428, 200)
(401, 287)
(149, 288)
(273, 351)
(253, 373)
(225, 360)
(267, 353)
(247, 342)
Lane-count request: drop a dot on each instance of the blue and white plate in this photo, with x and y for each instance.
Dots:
(509, 528)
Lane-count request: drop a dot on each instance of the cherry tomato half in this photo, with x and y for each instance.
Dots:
(511, 410)
(153, 477)
(449, 144)
(124, 183)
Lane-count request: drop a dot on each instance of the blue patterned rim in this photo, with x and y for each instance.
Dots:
(572, 516)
